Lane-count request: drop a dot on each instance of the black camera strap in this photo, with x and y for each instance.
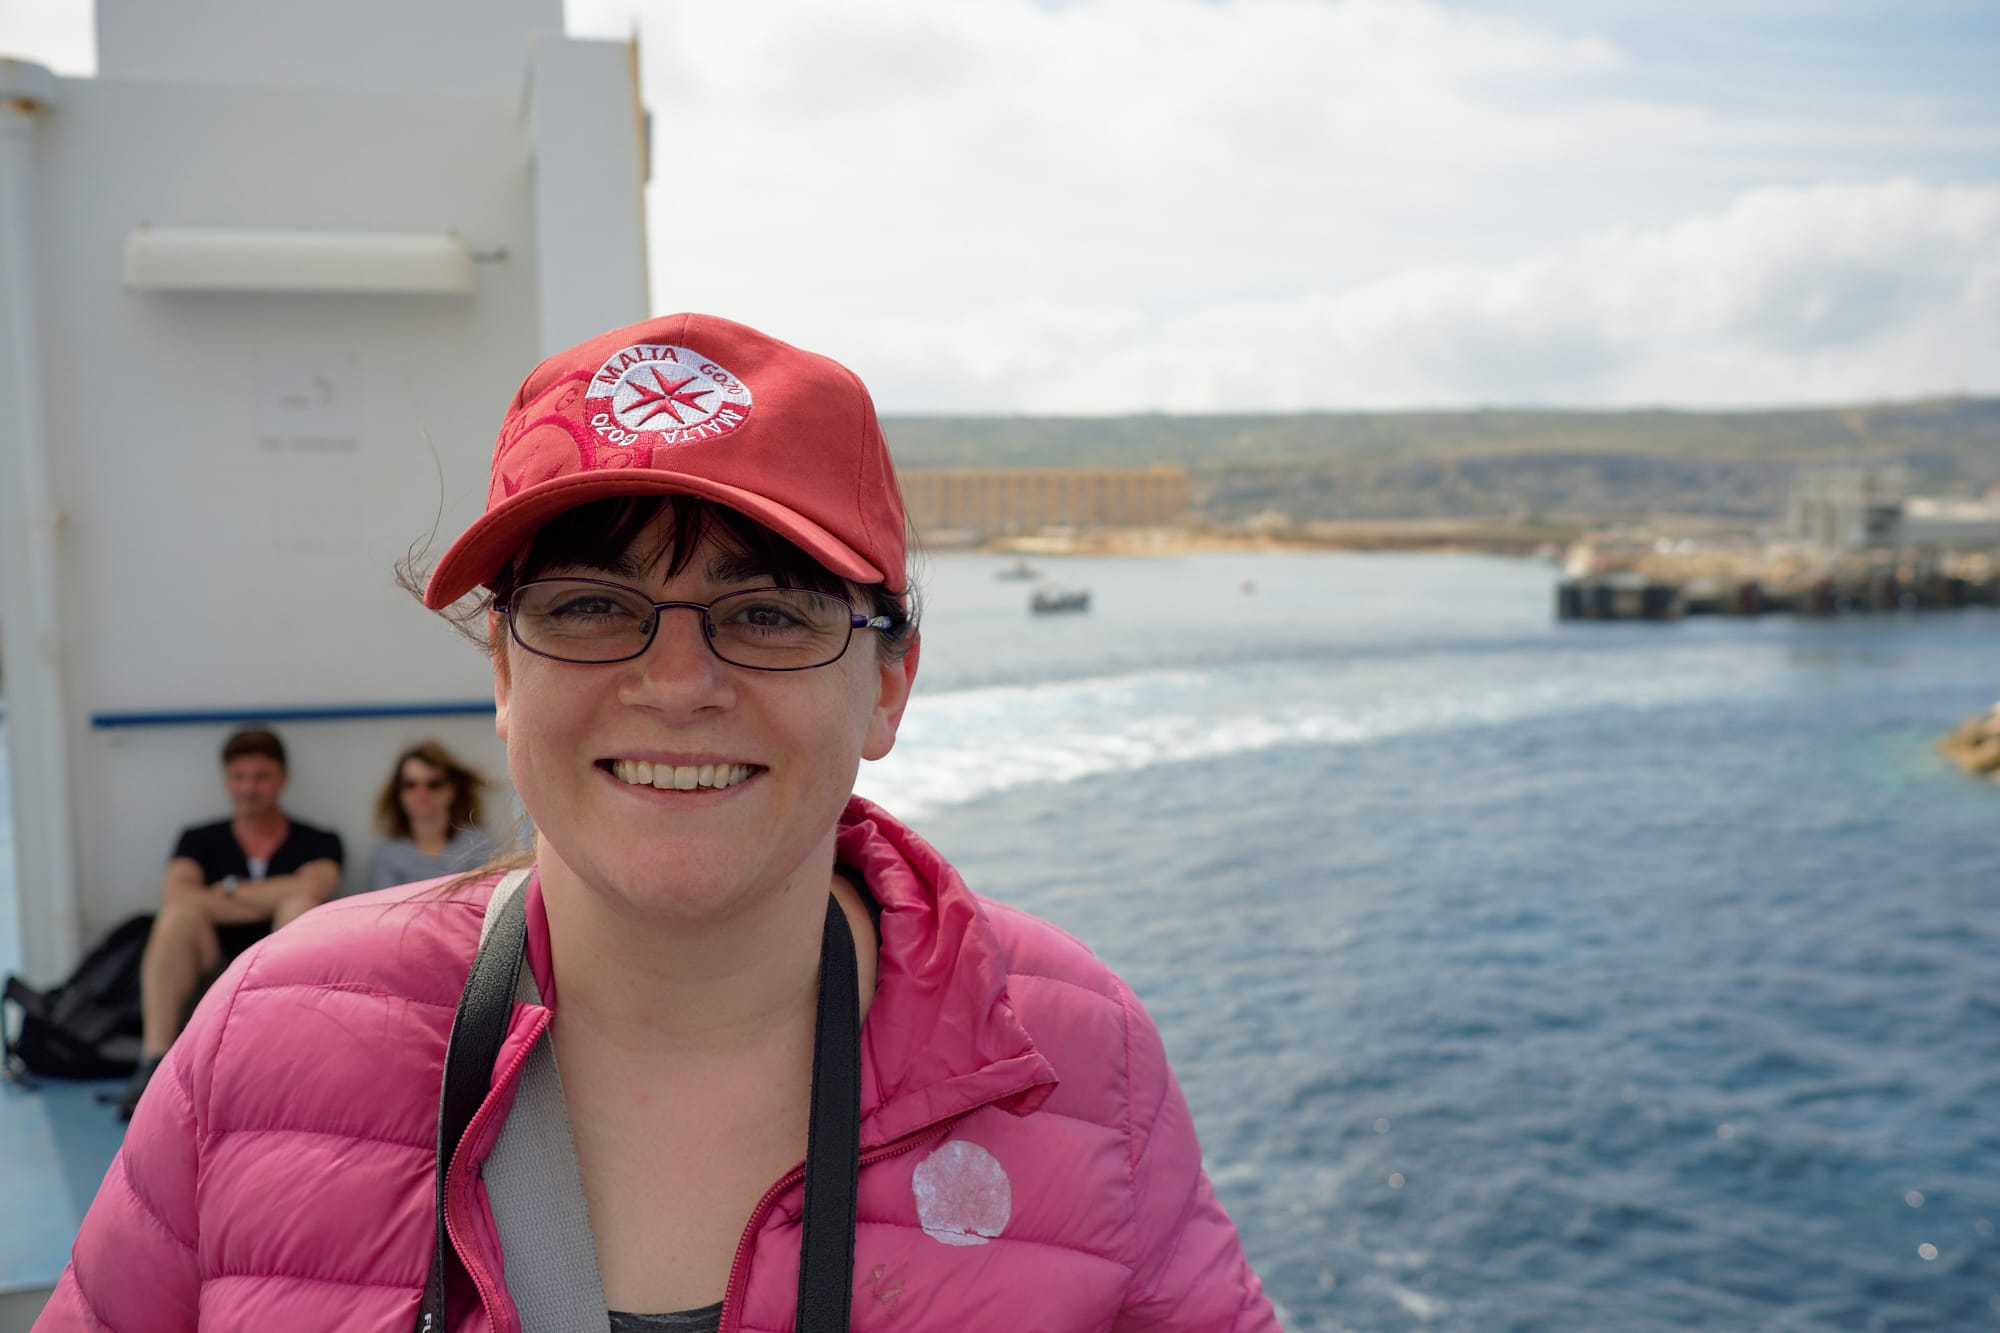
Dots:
(833, 1153)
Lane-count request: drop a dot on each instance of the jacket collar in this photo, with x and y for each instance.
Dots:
(541, 958)
(942, 1037)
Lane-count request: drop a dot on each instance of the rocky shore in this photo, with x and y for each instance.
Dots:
(1974, 745)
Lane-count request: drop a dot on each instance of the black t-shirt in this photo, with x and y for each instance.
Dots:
(214, 848)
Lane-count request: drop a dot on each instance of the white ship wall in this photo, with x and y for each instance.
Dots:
(233, 475)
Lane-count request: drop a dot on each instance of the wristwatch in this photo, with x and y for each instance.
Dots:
(229, 886)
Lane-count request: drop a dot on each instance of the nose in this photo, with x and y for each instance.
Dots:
(678, 670)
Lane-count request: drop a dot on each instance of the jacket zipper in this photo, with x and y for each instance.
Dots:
(488, 1295)
(732, 1295)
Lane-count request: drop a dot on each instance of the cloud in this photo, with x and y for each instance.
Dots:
(1834, 292)
(1169, 152)
(60, 34)
(1112, 205)
(1788, 295)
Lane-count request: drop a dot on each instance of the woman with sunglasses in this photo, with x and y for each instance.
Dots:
(731, 1048)
(429, 815)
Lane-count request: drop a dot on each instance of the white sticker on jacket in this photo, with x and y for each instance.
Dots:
(963, 1194)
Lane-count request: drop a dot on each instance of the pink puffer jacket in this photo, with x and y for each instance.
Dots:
(1027, 1160)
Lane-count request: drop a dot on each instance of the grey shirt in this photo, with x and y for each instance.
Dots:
(399, 861)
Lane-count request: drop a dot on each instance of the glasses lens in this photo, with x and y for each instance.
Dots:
(577, 620)
(780, 629)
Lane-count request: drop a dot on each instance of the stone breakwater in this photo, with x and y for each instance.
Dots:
(1665, 584)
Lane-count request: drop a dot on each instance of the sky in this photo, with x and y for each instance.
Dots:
(1092, 206)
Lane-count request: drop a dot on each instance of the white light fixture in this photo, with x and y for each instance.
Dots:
(219, 259)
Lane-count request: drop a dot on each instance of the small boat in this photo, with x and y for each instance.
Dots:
(1054, 597)
(1020, 569)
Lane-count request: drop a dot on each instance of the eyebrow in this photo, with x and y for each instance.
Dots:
(624, 565)
(728, 567)
(723, 567)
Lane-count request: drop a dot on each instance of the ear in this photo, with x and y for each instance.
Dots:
(501, 680)
(895, 676)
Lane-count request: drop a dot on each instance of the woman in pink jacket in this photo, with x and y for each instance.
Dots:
(735, 1049)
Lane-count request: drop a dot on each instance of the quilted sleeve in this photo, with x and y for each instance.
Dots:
(1189, 1273)
(132, 1269)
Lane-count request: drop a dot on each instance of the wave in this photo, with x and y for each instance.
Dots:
(960, 746)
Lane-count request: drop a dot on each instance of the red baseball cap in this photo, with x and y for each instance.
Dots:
(692, 405)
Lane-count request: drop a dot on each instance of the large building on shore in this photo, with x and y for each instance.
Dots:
(997, 502)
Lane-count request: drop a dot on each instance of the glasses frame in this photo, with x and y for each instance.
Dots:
(855, 621)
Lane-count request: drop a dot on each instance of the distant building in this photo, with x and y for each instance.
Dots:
(991, 502)
(1951, 525)
(1846, 509)
(1857, 509)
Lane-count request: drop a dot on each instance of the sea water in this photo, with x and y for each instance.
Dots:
(1520, 975)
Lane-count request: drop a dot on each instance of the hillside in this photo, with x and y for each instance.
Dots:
(1326, 466)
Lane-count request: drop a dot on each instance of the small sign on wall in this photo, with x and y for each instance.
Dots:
(309, 402)
(308, 416)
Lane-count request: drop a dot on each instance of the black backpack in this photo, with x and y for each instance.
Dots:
(90, 1025)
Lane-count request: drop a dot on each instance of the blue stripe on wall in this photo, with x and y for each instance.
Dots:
(294, 713)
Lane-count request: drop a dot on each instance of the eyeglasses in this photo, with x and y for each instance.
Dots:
(764, 629)
(426, 784)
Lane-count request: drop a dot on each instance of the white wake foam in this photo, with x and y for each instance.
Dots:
(959, 746)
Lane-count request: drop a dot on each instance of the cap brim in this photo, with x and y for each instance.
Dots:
(481, 549)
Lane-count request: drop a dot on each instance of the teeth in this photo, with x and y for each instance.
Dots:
(679, 777)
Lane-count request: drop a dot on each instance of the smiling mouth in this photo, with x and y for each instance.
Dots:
(680, 777)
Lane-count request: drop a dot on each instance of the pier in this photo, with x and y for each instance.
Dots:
(1669, 585)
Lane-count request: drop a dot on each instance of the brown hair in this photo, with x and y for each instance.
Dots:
(248, 741)
(468, 785)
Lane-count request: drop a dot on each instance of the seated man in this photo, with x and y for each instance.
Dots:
(228, 885)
